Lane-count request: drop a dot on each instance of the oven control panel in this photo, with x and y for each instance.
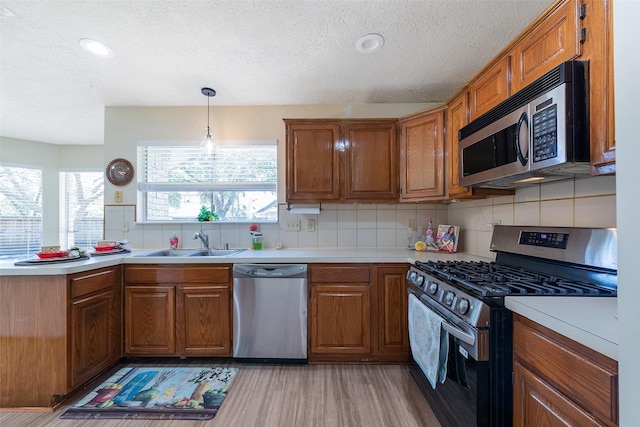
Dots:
(544, 239)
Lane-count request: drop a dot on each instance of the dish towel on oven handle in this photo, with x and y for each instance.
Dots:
(429, 343)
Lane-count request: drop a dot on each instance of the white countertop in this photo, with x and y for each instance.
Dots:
(591, 321)
(325, 255)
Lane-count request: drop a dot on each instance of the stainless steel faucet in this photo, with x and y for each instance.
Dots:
(202, 236)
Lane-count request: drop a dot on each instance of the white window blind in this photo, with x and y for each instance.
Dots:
(238, 181)
(81, 208)
(20, 211)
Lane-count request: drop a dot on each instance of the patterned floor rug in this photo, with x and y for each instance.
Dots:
(189, 393)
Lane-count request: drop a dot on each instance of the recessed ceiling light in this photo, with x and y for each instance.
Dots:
(97, 48)
(369, 43)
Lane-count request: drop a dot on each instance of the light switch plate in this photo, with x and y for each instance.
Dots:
(292, 225)
(117, 196)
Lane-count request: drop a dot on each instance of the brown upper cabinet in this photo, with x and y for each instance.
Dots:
(575, 29)
(422, 156)
(566, 30)
(598, 50)
(490, 89)
(550, 42)
(341, 160)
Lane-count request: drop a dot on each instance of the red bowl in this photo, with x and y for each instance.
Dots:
(59, 254)
(104, 248)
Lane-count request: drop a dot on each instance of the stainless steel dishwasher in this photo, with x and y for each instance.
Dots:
(270, 312)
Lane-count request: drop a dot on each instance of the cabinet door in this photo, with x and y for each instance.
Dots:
(552, 42)
(490, 89)
(393, 329)
(204, 325)
(95, 323)
(456, 119)
(537, 403)
(340, 319)
(313, 162)
(422, 157)
(598, 50)
(371, 161)
(562, 368)
(93, 331)
(150, 320)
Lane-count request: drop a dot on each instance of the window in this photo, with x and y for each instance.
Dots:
(20, 211)
(81, 208)
(237, 182)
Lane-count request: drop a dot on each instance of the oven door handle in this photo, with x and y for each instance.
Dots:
(459, 333)
(450, 328)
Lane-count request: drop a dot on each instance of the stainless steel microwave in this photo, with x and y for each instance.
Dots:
(541, 133)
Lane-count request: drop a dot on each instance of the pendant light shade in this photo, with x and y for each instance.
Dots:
(207, 142)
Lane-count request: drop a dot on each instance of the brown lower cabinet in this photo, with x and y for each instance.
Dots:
(177, 310)
(559, 382)
(358, 313)
(56, 333)
(95, 322)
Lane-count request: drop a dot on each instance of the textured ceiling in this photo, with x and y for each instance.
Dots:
(267, 52)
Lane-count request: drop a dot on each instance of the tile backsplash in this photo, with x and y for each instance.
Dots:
(587, 202)
(337, 226)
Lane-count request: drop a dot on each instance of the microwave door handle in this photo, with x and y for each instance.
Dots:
(523, 158)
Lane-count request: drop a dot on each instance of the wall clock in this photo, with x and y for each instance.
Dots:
(119, 171)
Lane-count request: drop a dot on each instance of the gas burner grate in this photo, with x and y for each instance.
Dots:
(491, 279)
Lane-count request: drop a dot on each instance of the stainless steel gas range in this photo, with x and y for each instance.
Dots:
(468, 380)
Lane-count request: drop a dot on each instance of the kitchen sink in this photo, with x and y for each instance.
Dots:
(193, 252)
(217, 252)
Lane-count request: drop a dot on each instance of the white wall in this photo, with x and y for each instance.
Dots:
(627, 94)
(50, 158)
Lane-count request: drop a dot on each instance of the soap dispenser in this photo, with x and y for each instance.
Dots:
(173, 241)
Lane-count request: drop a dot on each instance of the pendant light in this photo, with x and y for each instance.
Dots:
(207, 142)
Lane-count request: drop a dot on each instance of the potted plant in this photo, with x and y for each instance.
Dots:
(206, 214)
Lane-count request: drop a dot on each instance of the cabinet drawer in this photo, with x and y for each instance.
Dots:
(585, 376)
(89, 282)
(340, 274)
(191, 273)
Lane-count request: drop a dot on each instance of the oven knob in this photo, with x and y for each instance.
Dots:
(419, 281)
(432, 288)
(411, 276)
(463, 305)
(448, 297)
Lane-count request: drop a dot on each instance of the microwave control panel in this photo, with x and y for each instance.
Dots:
(545, 134)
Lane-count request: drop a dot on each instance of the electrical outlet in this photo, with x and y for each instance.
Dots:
(117, 196)
(411, 224)
(311, 225)
(292, 225)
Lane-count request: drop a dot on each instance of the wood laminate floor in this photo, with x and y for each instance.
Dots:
(288, 396)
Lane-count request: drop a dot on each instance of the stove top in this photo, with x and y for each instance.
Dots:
(492, 279)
